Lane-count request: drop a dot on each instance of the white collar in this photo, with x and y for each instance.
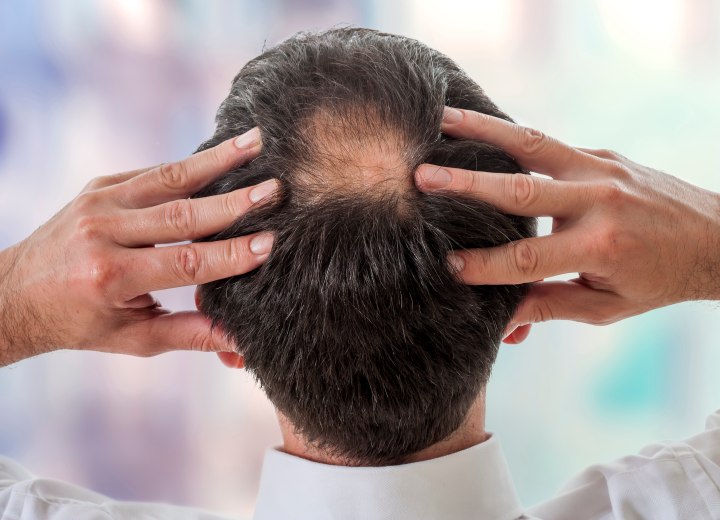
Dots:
(472, 483)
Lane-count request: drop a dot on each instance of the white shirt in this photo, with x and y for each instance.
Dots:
(664, 481)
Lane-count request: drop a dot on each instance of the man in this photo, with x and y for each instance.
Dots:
(446, 466)
(357, 328)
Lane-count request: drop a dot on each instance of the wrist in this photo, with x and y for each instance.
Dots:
(7, 259)
(14, 331)
(707, 285)
(714, 254)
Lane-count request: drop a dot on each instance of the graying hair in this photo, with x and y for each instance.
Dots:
(355, 327)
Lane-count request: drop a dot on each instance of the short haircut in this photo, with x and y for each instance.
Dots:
(356, 327)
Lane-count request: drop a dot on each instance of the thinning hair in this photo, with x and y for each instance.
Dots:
(355, 327)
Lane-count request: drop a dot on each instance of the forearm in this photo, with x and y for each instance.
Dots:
(14, 338)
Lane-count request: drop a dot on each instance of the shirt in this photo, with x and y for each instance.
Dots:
(665, 481)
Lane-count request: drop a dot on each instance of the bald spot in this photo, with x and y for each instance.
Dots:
(354, 153)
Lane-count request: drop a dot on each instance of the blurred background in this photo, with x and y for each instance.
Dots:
(91, 87)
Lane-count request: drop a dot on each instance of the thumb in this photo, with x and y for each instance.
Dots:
(178, 331)
(567, 300)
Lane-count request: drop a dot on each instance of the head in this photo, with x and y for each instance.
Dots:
(356, 327)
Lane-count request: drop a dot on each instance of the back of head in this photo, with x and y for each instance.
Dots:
(355, 327)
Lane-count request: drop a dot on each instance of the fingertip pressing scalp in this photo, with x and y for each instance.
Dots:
(356, 327)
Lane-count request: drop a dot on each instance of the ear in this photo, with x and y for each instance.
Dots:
(232, 359)
(518, 335)
(229, 359)
(197, 297)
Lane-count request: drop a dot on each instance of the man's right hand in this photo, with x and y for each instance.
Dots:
(84, 279)
(639, 238)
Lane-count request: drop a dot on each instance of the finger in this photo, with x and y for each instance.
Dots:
(181, 179)
(559, 300)
(117, 178)
(159, 268)
(176, 331)
(188, 219)
(517, 194)
(522, 261)
(531, 148)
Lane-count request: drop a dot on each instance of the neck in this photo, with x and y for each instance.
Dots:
(470, 433)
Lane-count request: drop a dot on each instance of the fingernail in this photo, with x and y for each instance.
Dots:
(433, 177)
(457, 264)
(248, 139)
(452, 115)
(263, 190)
(261, 244)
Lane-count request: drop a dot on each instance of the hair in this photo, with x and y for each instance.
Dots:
(356, 327)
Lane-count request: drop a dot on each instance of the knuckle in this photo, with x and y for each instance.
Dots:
(612, 194)
(606, 246)
(522, 190)
(180, 216)
(532, 141)
(220, 157)
(602, 317)
(90, 227)
(101, 273)
(96, 183)
(620, 171)
(470, 182)
(594, 319)
(173, 176)
(86, 202)
(202, 342)
(187, 264)
(604, 153)
(542, 311)
(237, 250)
(236, 203)
(524, 258)
(605, 318)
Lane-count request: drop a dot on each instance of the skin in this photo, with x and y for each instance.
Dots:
(638, 238)
(83, 280)
(470, 433)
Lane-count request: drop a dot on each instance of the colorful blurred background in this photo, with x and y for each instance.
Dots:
(91, 87)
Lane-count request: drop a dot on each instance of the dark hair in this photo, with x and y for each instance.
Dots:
(355, 327)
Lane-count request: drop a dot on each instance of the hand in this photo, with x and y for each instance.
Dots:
(83, 279)
(639, 238)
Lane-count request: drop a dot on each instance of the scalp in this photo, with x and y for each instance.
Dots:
(354, 151)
